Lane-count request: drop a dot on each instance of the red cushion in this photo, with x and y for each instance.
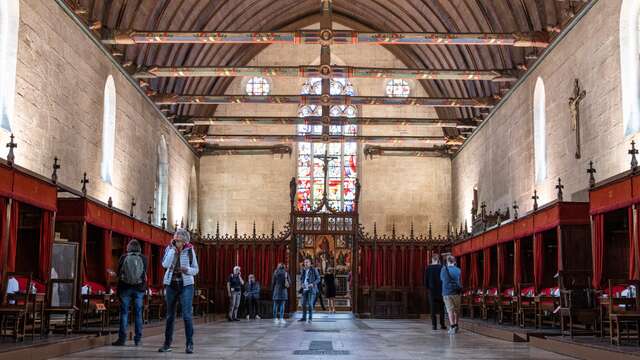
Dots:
(492, 292)
(528, 291)
(22, 284)
(508, 292)
(616, 290)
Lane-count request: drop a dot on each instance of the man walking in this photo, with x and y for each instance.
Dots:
(234, 290)
(434, 286)
(310, 279)
(451, 290)
(132, 283)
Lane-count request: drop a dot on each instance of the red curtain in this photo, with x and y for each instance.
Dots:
(597, 248)
(632, 247)
(106, 254)
(159, 268)
(379, 267)
(517, 261)
(46, 244)
(13, 236)
(538, 260)
(486, 271)
(147, 253)
(464, 270)
(3, 223)
(474, 273)
(502, 262)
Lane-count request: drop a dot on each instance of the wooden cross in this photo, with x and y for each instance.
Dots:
(56, 166)
(150, 214)
(515, 210)
(11, 145)
(633, 152)
(325, 161)
(559, 187)
(574, 108)
(84, 183)
(591, 170)
(133, 205)
(535, 198)
(163, 219)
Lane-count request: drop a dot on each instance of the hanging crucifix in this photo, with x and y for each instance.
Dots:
(574, 108)
(325, 169)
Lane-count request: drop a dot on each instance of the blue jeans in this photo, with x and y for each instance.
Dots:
(185, 294)
(126, 297)
(278, 306)
(308, 300)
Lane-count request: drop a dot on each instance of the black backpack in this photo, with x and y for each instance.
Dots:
(132, 269)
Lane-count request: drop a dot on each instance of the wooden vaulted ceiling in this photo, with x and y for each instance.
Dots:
(454, 16)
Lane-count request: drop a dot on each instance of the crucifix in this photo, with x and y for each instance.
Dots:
(559, 187)
(535, 198)
(163, 219)
(591, 170)
(574, 108)
(633, 152)
(150, 214)
(11, 145)
(325, 169)
(56, 166)
(133, 205)
(84, 183)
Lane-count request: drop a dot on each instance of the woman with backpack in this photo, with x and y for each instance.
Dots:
(179, 279)
(280, 292)
(132, 283)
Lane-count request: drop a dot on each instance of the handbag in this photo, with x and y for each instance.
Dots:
(286, 281)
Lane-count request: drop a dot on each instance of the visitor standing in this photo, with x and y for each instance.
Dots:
(179, 279)
(309, 280)
(451, 290)
(234, 290)
(434, 285)
(280, 292)
(252, 297)
(330, 289)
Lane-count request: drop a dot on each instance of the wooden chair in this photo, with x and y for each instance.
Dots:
(623, 314)
(477, 301)
(465, 304)
(526, 305)
(156, 305)
(14, 308)
(576, 303)
(507, 307)
(546, 309)
(61, 298)
(490, 304)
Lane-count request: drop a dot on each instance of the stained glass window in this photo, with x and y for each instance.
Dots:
(398, 88)
(342, 165)
(9, 22)
(258, 86)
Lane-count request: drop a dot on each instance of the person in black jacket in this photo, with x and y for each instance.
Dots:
(434, 285)
(132, 283)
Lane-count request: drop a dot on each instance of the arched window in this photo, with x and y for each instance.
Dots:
(162, 182)
(342, 168)
(9, 22)
(108, 130)
(397, 88)
(539, 131)
(630, 65)
(193, 199)
(258, 86)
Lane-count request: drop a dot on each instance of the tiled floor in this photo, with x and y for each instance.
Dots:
(348, 338)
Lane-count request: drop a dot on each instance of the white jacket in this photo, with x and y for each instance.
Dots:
(192, 269)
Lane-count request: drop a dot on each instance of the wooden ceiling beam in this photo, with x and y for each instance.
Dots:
(217, 150)
(322, 72)
(332, 37)
(323, 100)
(189, 121)
(434, 151)
(224, 138)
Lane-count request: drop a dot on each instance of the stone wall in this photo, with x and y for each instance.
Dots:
(498, 159)
(394, 190)
(61, 76)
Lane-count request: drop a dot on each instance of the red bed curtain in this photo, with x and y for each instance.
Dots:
(538, 260)
(13, 236)
(501, 253)
(3, 223)
(159, 269)
(597, 248)
(46, 244)
(486, 271)
(379, 267)
(147, 254)
(106, 254)
(517, 261)
(464, 270)
(632, 247)
(474, 273)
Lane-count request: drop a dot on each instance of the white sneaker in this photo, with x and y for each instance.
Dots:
(247, 317)
(258, 317)
(276, 321)
(451, 331)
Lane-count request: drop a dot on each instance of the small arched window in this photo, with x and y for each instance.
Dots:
(9, 22)
(162, 182)
(258, 86)
(539, 131)
(108, 130)
(193, 199)
(397, 88)
(630, 65)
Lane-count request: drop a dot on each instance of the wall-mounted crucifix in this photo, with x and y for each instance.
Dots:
(574, 108)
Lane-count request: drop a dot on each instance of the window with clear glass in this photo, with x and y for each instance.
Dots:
(398, 88)
(108, 130)
(258, 86)
(539, 131)
(9, 23)
(630, 65)
(342, 165)
(161, 196)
